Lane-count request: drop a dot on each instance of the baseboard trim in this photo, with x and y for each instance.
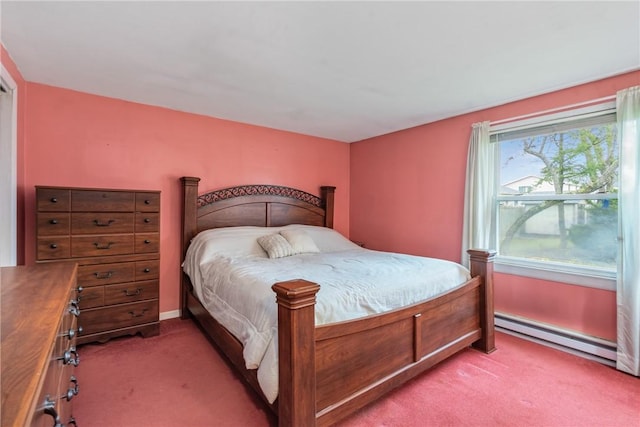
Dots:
(592, 348)
(166, 315)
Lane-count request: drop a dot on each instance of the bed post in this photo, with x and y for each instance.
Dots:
(481, 264)
(327, 194)
(296, 352)
(189, 229)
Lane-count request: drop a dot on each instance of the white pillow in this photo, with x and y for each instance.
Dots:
(300, 241)
(229, 241)
(326, 239)
(276, 246)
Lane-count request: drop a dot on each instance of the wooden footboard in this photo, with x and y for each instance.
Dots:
(327, 373)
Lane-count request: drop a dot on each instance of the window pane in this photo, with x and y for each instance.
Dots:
(582, 232)
(576, 161)
(552, 161)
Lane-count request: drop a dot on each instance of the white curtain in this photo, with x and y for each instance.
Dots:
(628, 287)
(480, 192)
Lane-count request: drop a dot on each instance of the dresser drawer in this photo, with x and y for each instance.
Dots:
(146, 270)
(106, 201)
(53, 224)
(130, 292)
(111, 244)
(119, 316)
(53, 199)
(66, 334)
(54, 388)
(147, 242)
(66, 353)
(69, 388)
(104, 274)
(49, 393)
(92, 297)
(147, 222)
(54, 247)
(148, 202)
(102, 223)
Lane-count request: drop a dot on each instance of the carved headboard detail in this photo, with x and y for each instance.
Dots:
(257, 205)
(255, 190)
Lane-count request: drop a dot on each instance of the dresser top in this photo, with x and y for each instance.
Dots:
(56, 187)
(33, 301)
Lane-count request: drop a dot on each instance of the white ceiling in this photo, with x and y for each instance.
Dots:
(340, 70)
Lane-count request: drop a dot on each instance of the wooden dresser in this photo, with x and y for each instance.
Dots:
(39, 332)
(114, 236)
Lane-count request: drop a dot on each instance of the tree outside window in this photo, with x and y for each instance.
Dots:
(558, 194)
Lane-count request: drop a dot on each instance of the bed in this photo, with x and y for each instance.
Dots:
(327, 371)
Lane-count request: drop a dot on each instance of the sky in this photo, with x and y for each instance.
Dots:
(518, 164)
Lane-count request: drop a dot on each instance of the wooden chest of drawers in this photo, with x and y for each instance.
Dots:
(114, 236)
(39, 333)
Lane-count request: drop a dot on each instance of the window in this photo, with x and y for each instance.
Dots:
(557, 198)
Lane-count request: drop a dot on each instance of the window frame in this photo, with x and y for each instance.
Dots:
(8, 162)
(588, 276)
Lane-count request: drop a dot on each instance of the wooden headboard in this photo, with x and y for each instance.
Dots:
(259, 205)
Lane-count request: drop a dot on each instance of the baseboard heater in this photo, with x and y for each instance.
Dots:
(593, 348)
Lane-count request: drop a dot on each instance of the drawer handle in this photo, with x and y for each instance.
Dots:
(53, 246)
(103, 224)
(146, 270)
(147, 241)
(53, 221)
(147, 202)
(133, 314)
(147, 220)
(72, 333)
(137, 292)
(79, 289)
(54, 200)
(70, 357)
(49, 407)
(71, 391)
(106, 275)
(107, 246)
(74, 308)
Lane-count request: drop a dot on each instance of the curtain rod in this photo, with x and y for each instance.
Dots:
(553, 110)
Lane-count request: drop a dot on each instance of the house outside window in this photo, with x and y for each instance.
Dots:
(557, 197)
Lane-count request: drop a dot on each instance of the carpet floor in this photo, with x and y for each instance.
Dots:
(179, 379)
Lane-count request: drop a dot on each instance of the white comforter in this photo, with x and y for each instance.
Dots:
(354, 282)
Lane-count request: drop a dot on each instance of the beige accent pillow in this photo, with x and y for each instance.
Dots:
(300, 241)
(275, 245)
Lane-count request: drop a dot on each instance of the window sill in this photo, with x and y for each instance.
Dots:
(581, 276)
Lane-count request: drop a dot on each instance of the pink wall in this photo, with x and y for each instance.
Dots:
(401, 192)
(575, 307)
(81, 140)
(10, 66)
(407, 195)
